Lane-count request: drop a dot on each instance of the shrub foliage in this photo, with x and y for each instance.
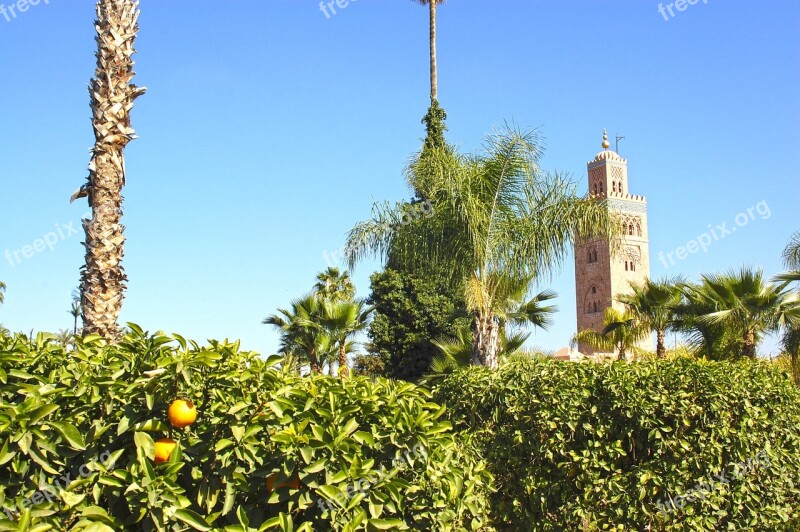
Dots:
(679, 445)
(270, 450)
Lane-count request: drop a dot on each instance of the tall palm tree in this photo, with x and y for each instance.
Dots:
(112, 97)
(334, 285)
(744, 302)
(343, 320)
(496, 219)
(654, 305)
(434, 69)
(621, 333)
(302, 336)
(2, 292)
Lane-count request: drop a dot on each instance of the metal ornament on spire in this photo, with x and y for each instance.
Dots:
(606, 144)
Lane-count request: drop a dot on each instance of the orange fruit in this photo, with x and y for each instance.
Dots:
(164, 448)
(293, 483)
(182, 413)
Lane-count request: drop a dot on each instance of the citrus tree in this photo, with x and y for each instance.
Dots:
(159, 433)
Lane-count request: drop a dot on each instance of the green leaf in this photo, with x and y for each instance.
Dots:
(70, 434)
(192, 519)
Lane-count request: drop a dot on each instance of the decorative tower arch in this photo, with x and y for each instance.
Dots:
(600, 276)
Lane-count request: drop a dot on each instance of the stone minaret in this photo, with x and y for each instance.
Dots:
(599, 276)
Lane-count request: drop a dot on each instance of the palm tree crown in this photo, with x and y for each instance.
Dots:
(621, 333)
(654, 304)
(744, 302)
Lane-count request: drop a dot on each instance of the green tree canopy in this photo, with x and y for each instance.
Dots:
(496, 219)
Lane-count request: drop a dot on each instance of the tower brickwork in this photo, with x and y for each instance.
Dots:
(600, 275)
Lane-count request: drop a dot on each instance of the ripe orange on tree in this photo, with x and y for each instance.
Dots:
(182, 413)
(164, 448)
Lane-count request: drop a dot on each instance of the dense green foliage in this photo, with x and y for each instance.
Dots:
(600, 447)
(410, 312)
(270, 450)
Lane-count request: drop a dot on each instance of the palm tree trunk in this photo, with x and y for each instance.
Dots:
(485, 342)
(112, 96)
(344, 370)
(434, 70)
(312, 358)
(661, 350)
(622, 352)
(749, 347)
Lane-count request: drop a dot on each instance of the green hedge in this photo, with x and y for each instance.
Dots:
(634, 446)
(270, 450)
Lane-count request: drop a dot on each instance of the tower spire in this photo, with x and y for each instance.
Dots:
(606, 144)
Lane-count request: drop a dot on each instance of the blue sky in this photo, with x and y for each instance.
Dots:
(269, 129)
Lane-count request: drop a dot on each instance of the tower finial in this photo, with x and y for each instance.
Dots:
(606, 144)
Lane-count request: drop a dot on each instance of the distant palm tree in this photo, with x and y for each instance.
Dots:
(334, 285)
(2, 292)
(64, 337)
(791, 344)
(112, 96)
(301, 333)
(744, 302)
(495, 220)
(342, 320)
(621, 333)
(75, 311)
(654, 305)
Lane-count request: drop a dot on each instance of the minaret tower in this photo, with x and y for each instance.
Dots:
(599, 275)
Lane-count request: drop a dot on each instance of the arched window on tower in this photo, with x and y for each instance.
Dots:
(601, 188)
(595, 256)
(626, 265)
(595, 188)
(630, 230)
(614, 186)
(639, 229)
(620, 187)
(595, 306)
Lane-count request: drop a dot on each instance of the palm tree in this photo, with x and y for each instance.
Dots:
(496, 220)
(791, 255)
(75, 310)
(621, 334)
(342, 320)
(334, 285)
(302, 336)
(745, 303)
(112, 97)
(458, 351)
(654, 304)
(434, 70)
(2, 292)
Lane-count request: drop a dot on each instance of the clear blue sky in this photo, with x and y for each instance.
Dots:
(268, 130)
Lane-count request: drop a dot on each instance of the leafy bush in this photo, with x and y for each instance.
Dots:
(631, 446)
(270, 450)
